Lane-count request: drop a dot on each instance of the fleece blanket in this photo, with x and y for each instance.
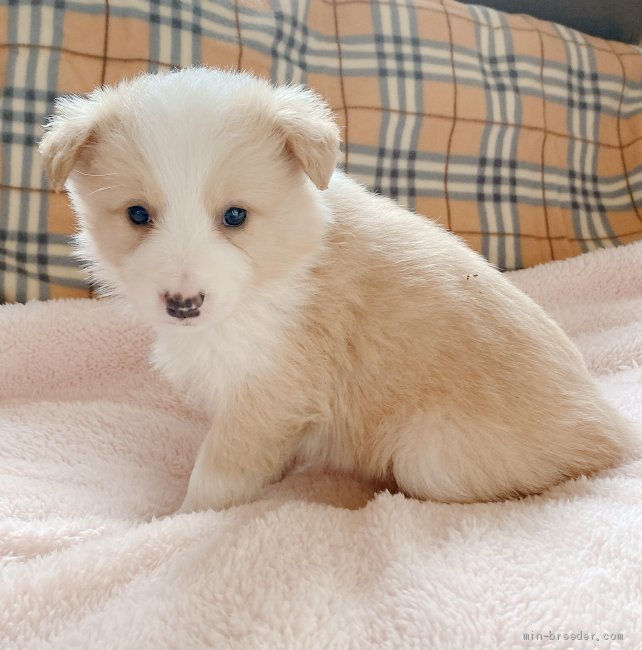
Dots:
(95, 454)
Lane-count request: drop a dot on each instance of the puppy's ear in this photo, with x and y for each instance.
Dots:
(67, 131)
(311, 134)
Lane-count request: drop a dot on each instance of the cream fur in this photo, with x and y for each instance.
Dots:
(337, 327)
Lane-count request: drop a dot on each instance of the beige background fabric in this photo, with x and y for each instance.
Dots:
(522, 136)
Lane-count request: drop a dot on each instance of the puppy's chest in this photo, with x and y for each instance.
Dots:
(207, 371)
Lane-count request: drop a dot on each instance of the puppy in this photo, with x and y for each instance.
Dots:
(312, 318)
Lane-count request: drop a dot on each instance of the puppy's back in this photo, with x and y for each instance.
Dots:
(438, 369)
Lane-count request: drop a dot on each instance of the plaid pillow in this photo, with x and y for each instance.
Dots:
(522, 136)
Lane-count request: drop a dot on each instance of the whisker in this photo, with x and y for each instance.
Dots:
(95, 175)
(100, 189)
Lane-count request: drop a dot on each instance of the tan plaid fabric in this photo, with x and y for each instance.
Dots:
(522, 136)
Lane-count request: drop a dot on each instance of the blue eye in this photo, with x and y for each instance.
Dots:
(138, 215)
(234, 217)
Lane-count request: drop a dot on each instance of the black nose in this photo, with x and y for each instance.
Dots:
(180, 307)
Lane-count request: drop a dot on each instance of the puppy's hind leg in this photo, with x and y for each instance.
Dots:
(440, 458)
(437, 460)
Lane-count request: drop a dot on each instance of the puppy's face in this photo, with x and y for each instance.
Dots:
(194, 190)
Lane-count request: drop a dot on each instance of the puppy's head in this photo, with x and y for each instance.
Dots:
(194, 190)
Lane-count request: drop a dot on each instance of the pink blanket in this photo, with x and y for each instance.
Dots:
(95, 450)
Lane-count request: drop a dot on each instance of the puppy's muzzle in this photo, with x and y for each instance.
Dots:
(181, 308)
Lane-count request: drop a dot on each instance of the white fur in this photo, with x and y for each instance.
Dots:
(336, 326)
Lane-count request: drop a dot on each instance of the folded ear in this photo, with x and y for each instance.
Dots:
(67, 131)
(311, 134)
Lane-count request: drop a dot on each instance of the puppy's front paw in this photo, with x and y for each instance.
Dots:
(209, 492)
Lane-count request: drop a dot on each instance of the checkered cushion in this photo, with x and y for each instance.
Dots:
(522, 136)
